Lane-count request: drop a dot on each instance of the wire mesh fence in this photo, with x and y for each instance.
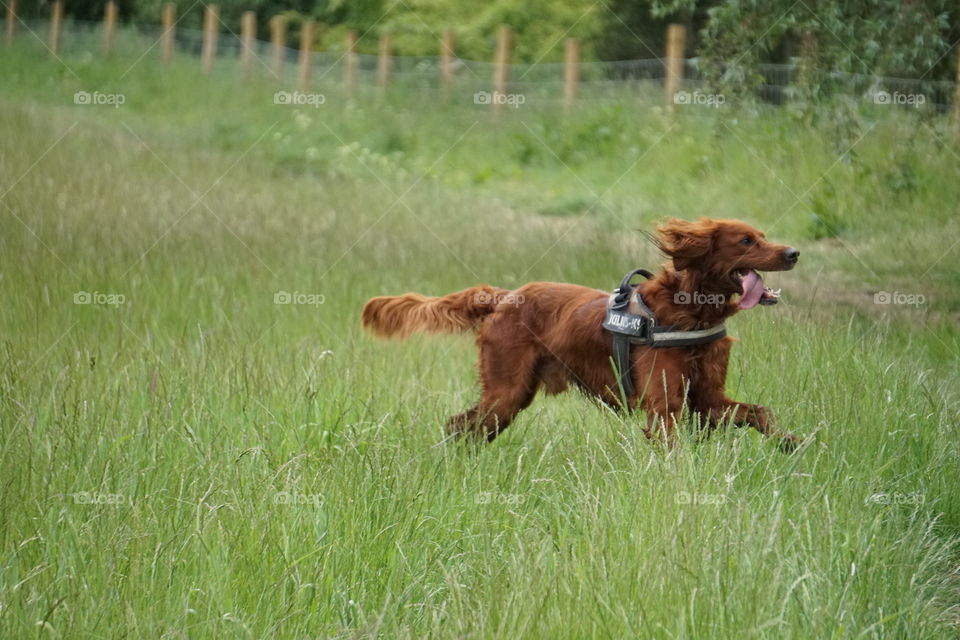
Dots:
(777, 84)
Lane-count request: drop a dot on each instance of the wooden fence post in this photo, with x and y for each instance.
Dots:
(169, 27)
(350, 63)
(56, 24)
(11, 20)
(248, 34)
(956, 96)
(278, 36)
(384, 61)
(809, 54)
(501, 69)
(210, 31)
(306, 54)
(571, 70)
(446, 60)
(109, 26)
(676, 41)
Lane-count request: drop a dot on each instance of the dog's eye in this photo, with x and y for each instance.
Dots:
(747, 241)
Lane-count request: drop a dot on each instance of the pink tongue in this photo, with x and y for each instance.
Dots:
(752, 290)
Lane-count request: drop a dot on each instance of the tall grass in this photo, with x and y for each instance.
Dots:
(184, 457)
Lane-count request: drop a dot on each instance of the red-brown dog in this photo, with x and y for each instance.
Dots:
(550, 335)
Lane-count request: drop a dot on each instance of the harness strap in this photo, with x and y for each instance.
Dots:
(630, 321)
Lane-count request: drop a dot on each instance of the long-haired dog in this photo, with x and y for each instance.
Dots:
(549, 335)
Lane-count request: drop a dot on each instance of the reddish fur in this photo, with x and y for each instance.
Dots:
(399, 316)
(550, 335)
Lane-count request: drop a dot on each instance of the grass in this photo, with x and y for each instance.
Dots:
(199, 461)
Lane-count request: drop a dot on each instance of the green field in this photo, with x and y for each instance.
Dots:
(182, 457)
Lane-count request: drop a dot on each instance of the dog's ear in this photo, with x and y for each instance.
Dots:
(686, 242)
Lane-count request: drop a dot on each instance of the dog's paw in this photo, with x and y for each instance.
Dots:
(789, 443)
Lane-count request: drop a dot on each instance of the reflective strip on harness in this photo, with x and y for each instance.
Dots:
(664, 337)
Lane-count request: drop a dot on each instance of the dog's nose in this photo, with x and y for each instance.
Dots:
(791, 254)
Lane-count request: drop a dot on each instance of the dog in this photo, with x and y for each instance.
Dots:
(550, 335)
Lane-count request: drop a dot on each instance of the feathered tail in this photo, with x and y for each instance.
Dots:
(399, 316)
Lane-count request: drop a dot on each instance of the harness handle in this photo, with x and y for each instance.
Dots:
(622, 298)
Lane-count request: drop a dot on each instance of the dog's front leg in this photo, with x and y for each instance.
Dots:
(711, 402)
(753, 415)
(663, 394)
(662, 426)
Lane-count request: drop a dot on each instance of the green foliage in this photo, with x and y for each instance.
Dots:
(825, 221)
(589, 136)
(873, 37)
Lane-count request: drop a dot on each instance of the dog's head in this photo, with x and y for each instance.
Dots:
(726, 254)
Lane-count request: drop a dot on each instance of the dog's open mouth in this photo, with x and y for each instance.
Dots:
(752, 290)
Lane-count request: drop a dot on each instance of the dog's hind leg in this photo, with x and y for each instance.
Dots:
(509, 381)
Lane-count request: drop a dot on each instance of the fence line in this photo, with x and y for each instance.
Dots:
(56, 25)
(278, 38)
(678, 77)
(248, 33)
(109, 26)
(11, 21)
(571, 70)
(211, 31)
(168, 34)
(673, 64)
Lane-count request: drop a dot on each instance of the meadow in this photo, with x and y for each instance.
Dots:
(198, 441)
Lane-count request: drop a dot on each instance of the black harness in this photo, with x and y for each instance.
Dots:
(630, 321)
